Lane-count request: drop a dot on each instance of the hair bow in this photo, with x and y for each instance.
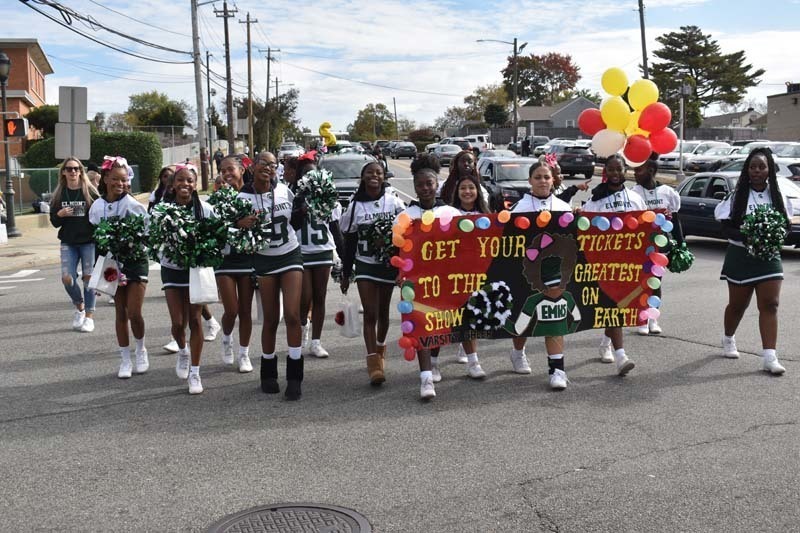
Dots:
(110, 160)
(308, 156)
(182, 165)
(551, 160)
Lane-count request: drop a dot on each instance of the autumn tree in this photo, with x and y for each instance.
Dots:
(543, 78)
(281, 115)
(482, 97)
(156, 109)
(374, 121)
(691, 57)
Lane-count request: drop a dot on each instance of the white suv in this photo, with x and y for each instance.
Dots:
(480, 143)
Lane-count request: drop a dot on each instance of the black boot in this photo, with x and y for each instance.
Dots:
(269, 376)
(294, 377)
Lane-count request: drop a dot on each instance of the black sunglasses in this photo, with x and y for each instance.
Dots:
(72, 169)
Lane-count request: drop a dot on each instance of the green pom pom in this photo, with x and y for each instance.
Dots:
(764, 231)
(680, 258)
(379, 237)
(123, 237)
(319, 193)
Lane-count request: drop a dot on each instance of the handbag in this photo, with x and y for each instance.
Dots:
(105, 275)
(202, 286)
(350, 319)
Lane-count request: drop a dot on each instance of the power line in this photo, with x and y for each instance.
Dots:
(396, 60)
(139, 21)
(109, 67)
(372, 84)
(126, 78)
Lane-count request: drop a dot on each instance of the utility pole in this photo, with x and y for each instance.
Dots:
(198, 91)
(249, 86)
(645, 71)
(266, 102)
(396, 125)
(208, 89)
(226, 14)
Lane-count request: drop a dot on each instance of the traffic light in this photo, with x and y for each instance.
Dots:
(15, 127)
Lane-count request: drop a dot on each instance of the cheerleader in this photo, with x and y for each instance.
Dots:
(318, 240)
(235, 282)
(116, 202)
(662, 198)
(279, 267)
(468, 200)
(175, 281)
(613, 197)
(541, 198)
(425, 185)
(375, 279)
(746, 274)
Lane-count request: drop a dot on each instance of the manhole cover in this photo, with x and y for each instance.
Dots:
(291, 518)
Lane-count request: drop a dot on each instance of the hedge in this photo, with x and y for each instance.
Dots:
(138, 148)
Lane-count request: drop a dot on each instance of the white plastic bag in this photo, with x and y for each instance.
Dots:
(351, 325)
(3, 234)
(99, 281)
(202, 286)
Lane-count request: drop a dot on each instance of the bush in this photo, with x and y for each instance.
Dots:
(138, 148)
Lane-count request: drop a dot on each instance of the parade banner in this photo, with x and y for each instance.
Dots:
(528, 274)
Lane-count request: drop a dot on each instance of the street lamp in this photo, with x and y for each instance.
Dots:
(517, 50)
(11, 227)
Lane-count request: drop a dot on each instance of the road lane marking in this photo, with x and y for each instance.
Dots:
(20, 280)
(20, 274)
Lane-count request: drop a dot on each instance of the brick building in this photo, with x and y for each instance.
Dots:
(26, 84)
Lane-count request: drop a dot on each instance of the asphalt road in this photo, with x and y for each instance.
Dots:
(687, 442)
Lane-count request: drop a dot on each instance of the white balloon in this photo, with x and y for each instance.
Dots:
(607, 142)
(630, 163)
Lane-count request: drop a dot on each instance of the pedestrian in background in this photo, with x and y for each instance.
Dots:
(69, 212)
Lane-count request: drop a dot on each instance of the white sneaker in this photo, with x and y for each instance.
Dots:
(110, 300)
(461, 356)
(624, 365)
(227, 352)
(317, 350)
(644, 329)
(125, 369)
(142, 362)
(729, 348)
(172, 346)
(437, 374)
(655, 329)
(182, 365)
(213, 329)
(245, 365)
(558, 380)
(77, 320)
(520, 363)
(426, 390)
(606, 354)
(88, 325)
(475, 371)
(773, 366)
(195, 385)
(305, 331)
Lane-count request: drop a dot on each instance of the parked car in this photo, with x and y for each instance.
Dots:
(380, 144)
(346, 170)
(701, 193)
(505, 178)
(712, 159)
(690, 148)
(742, 153)
(497, 153)
(447, 140)
(515, 147)
(480, 143)
(574, 159)
(538, 140)
(791, 150)
(446, 153)
(290, 150)
(543, 148)
(366, 145)
(387, 148)
(404, 149)
(785, 168)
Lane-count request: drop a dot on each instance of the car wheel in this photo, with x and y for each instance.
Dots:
(589, 175)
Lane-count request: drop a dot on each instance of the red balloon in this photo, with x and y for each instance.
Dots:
(522, 222)
(410, 354)
(655, 117)
(637, 149)
(590, 121)
(405, 342)
(664, 141)
(659, 259)
(631, 222)
(396, 261)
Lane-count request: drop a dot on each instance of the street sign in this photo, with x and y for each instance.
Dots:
(72, 140)
(15, 127)
(72, 104)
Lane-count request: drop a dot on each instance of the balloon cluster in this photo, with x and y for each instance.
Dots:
(636, 124)
(124, 238)
(329, 139)
(407, 342)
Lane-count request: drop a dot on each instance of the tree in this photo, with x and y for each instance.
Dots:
(744, 105)
(279, 113)
(422, 134)
(373, 122)
(453, 118)
(117, 122)
(495, 114)
(544, 78)
(156, 109)
(44, 118)
(405, 125)
(694, 58)
(484, 96)
(99, 121)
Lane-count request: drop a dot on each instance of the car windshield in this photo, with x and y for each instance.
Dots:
(719, 150)
(344, 169)
(450, 148)
(512, 171)
(580, 150)
(790, 150)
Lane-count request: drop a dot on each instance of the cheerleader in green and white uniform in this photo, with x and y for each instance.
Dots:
(128, 300)
(375, 279)
(746, 274)
(279, 267)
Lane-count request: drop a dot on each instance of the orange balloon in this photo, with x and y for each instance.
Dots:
(404, 219)
(643, 300)
(398, 240)
(427, 227)
(503, 216)
(543, 219)
(408, 245)
(648, 216)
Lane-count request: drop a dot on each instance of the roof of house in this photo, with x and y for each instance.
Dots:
(721, 121)
(546, 112)
(37, 54)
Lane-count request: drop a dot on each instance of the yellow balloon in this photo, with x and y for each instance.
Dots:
(633, 123)
(614, 81)
(325, 132)
(616, 114)
(642, 93)
(427, 217)
(640, 131)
